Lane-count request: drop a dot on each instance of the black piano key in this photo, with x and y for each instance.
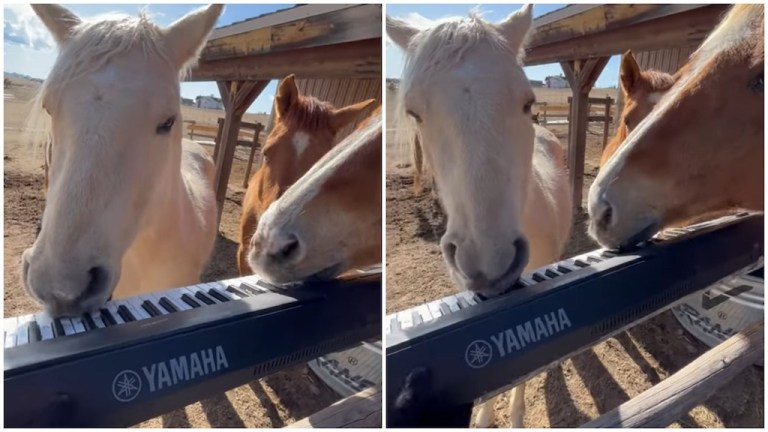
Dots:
(33, 332)
(593, 259)
(58, 329)
(151, 309)
(551, 273)
(168, 305)
(581, 263)
(267, 285)
(204, 298)
(107, 318)
(538, 277)
(609, 253)
(236, 292)
(416, 318)
(190, 301)
(463, 303)
(250, 290)
(90, 324)
(563, 269)
(445, 308)
(125, 314)
(213, 292)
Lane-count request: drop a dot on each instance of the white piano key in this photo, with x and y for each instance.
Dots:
(96, 317)
(66, 324)
(191, 290)
(434, 307)
(405, 318)
(22, 329)
(112, 308)
(78, 324)
(452, 303)
(45, 322)
(138, 312)
(222, 288)
(10, 326)
(424, 313)
(526, 279)
(174, 296)
(469, 297)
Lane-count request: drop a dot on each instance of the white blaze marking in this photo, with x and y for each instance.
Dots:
(300, 142)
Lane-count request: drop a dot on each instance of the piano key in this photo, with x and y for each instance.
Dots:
(69, 328)
(424, 312)
(251, 289)
(46, 325)
(134, 305)
(168, 305)
(609, 253)
(77, 324)
(186, 298)
(151, 309)
(236, 291)
(416, 317)
(444, 308)
(267, 286)
(174, 296)
(9, 327)
(394, 324)
(34, 334)
(551, 273)
(204, 298)
(452, 303)
(434, 308)
(90, 324)
(106, 316)
(463, 303)
(527, 279)
(124, 313)
(98, 319)
(594, 259)
(563, 269)
(406, 319)
(219, 295)
(538, 277)
(469, 297)
(58, 328)
(22, 329)
(581, 263)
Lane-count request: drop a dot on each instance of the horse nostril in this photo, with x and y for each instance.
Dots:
(290, 248)
(99, 276)
(449, 251)
(286, 249)
(605, 217)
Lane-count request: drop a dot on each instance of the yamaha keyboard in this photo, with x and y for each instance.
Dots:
(140, 357)
(447, 354)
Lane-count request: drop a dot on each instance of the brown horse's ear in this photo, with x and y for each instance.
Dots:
(287, 95)
(344, 116)
(630, 72)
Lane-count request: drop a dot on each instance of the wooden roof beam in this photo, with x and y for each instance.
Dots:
(361, 59)
(339, 26)
(687, 28)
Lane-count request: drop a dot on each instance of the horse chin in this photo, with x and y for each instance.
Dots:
(327, 274)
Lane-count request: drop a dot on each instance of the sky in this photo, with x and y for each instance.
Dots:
(30, 50)
(492, 13)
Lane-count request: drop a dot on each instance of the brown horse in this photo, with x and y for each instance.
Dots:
(642, 91)
(305, 129)
(330, 219)
(700, 150)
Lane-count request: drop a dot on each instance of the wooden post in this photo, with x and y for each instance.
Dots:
(254, 146)
(669, 400)
(361, 410)
(237, 96)
(217, 140)
(607, 123)
(581, 75)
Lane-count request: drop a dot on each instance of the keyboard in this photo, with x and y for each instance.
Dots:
(143, 356)
(475, 347)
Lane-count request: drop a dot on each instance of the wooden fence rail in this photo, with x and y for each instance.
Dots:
(361, 410)
(669, 400)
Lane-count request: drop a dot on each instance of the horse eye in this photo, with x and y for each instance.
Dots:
(414, 116)
(166, 126)
(527, 107)
(757, 84)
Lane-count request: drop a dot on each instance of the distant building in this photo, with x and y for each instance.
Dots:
(187, 102)
(209, 102)
(536, 83)
(556, 82)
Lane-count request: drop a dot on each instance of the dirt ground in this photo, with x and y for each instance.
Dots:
(589, 384)
(274, 401)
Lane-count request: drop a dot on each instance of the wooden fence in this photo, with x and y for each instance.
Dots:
(600, 110)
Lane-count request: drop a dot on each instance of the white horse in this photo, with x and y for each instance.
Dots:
(501, 179)
(130, 205)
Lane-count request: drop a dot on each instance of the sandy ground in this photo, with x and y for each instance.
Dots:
(275, 401)
(591, 383)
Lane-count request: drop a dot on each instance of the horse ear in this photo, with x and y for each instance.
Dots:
(186, 37)
(58, 20)
(400, 32)
(344, 116)
(515, 27)
(630, 72)
(287, 95)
